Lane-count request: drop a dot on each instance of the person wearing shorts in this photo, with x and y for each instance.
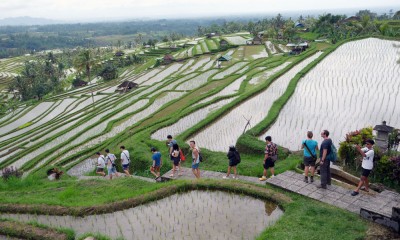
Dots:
(170, 143)
(125, 160)
(196, 159)
(309, 147)
(156, 166)
(268, 162)
(367, 164)
(176, 159)
(234, 158)
(110, 161)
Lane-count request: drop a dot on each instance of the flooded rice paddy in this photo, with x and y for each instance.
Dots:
(191, 215)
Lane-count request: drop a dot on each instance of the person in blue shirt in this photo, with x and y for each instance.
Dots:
(155, 167)
(310, 147)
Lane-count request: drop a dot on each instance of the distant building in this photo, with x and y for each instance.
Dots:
(168, 59)
(223, 43)
(210, 35)
(79, 83)
(257, 40)
(126, 86)
(299, 25)
(224, 58)
(351, 19)
(119, 54)
(297, 48)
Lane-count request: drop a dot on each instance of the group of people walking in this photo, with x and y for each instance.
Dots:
(309, 146)
(175, 154)
(109, 160)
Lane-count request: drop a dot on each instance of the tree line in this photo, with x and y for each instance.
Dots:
(46, 75)
(328, 25)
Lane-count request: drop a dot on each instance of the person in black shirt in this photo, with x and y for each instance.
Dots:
(325, 169)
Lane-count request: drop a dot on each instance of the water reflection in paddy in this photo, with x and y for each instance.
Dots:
(192, 215)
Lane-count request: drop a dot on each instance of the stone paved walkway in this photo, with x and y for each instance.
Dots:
(188, 174)
(338, 196)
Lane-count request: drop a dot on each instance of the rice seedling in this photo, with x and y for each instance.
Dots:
(334, 88)
(256, 108)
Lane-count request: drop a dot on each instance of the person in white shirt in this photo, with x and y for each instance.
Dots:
(111, 167)
(125, 160)
(367, 164)
(100, 164)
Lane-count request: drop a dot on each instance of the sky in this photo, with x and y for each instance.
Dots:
(75, 10)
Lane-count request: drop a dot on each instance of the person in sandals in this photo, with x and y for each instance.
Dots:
(310, 147)
(156, 166)
(196, 158)
(269, 158)
(100, 164)
(234, 159)
(175, 158)
(170, 143)
(367, 164)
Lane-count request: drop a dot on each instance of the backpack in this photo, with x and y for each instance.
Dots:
(237, 156)
(183, 158)
(201, 157)
(332, 156)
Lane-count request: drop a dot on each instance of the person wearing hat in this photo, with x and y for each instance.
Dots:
(234, 160)
(155, 167)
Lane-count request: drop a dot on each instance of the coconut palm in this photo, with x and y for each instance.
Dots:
(84, 62)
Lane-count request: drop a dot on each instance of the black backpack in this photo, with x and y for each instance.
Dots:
(201, 157)
(237, 156)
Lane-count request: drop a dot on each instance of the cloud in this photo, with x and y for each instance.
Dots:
(84, 9)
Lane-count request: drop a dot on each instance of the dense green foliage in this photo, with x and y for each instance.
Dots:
(386, 164)
(349, 156)
(38, 78)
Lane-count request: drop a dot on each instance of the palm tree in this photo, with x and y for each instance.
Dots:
(84, 62)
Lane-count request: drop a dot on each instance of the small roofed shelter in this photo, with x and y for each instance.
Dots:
(299, 25)
(223, 43)
(119, 54)
(297, 48)
(224, 58)
(168, 58)
(79, 83)
(257, 40)
(126, 86)
(382, 138)
(351, 19)
(210, 35)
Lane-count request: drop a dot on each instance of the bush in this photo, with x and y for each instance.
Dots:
(347, 152)
(9, 172)
(109, 72)
(387, 171)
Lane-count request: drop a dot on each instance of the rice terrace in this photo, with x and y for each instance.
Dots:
(199, 127)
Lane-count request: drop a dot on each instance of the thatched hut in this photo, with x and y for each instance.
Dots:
(126, 86)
